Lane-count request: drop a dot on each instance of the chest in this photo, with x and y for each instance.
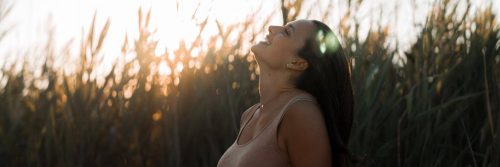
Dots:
(259, 123)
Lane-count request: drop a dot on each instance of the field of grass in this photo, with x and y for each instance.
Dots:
(437, 106)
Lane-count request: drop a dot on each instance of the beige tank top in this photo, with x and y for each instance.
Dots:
(263, 149)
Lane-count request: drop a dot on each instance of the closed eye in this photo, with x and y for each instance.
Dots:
(286, 32)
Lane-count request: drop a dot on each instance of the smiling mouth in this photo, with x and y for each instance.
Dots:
(266, 40)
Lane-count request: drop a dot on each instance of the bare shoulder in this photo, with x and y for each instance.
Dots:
(304, 111)
(305, 135)
(303, 116)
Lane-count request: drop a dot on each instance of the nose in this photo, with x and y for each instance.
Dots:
(275, 29)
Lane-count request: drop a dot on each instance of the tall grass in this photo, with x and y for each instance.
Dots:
(438, 106)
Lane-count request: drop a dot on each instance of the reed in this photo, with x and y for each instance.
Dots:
(434, 105)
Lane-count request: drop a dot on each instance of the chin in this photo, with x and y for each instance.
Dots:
(257, 49)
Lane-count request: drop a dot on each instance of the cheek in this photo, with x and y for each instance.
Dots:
(276, 54)
(280, 46)
(284, 48)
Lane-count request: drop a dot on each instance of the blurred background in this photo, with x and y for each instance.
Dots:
(164, 83)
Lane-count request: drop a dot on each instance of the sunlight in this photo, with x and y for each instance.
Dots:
(172, 24)
(179, 67)
(126, 82)
(175, 22)
(164, 69)
(156, 116)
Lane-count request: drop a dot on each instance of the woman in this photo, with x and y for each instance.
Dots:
(304, 116)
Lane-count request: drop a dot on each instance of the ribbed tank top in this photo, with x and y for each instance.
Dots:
(263, 149)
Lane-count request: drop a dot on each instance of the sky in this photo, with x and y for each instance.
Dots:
(29, 21)
(69, 18)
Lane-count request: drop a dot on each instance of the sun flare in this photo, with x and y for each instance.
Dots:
(164, 69)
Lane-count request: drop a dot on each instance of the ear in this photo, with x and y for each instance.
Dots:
(297, 64)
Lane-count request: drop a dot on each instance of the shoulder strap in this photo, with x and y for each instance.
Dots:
(293, 100)
(252, 111)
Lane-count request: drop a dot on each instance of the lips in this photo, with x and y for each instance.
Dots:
(266, 40)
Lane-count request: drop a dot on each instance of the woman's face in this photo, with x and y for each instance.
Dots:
(282, 44)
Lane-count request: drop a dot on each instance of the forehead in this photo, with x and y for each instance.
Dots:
(303, 28)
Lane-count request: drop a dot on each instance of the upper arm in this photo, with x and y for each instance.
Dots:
(306, 136)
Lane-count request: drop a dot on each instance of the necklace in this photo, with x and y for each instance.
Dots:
(261, 106)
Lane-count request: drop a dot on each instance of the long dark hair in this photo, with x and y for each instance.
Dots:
(328, 79)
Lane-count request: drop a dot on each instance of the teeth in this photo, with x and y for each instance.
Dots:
(266, 41)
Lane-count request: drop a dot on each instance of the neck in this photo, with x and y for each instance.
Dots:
(271, 86)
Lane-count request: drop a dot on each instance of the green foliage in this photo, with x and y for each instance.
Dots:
(439, 107)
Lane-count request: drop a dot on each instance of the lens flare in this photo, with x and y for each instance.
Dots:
(328, 42)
